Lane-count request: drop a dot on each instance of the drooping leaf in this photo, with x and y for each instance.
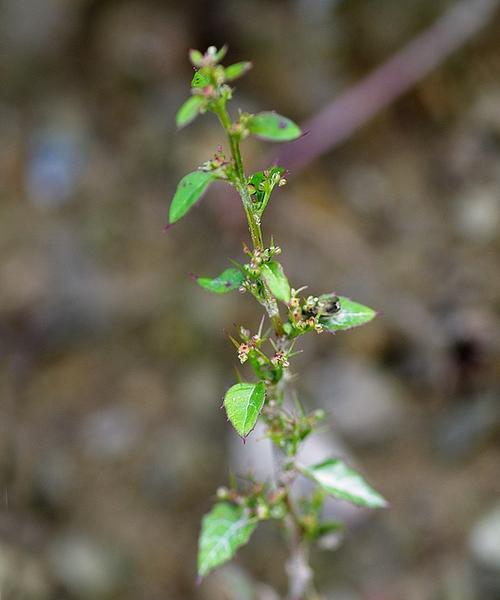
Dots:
(237, 70)
(339, 480)
(200, 79)
(351, 314)
(189, 190)
(274, 127)
(228, 280)
(189, 110)
(276, 281)
(243, 403)
(223, 530)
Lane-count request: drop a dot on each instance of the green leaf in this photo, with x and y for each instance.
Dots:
(243, 403)
(276, 281)
(223, 530)
(200, 79)
(228, 280)
(196, 57)
(219, 55)
(237, 70)
(351, 314)
(188, 191)
(338, 480)
(189, 110)
(272, 126)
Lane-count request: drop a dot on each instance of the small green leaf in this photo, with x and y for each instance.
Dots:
(230, 279)
(272, 126)
(189, 190)
(351, 314)
(219, 54)
(200, 79)
(243, 403)
(196, 57)
(276, 281)
(338, 480)
(223, 530)
(189, 110)
(237, 70)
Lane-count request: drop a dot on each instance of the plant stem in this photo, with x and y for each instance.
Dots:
(299, 572)
(241, 186)
(240, 180)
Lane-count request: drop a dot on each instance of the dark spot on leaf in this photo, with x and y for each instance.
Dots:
(282, 125)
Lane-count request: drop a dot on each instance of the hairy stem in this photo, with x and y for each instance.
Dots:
(242, 189)
(240, 180)
(299, 572)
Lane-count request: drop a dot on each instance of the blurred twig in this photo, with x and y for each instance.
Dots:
(340, 119)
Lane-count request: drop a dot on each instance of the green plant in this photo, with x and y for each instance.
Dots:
(238, 511)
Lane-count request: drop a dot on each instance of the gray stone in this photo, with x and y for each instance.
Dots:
(84, 566)
(21, 576)
(365, 404)
(465, 427)
(484, 548)
(111, 432)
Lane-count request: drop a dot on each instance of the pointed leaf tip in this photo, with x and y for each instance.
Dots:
(189, 111)
(188, 192)
(237, 70)
(275, 279)
(339, 480)
(243, 403)
(229, 280)
(223, 530)
(273, 127)
(351, 314)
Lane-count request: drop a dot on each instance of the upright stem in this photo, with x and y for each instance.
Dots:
(299, 572)
(241, 186)
(240, 182)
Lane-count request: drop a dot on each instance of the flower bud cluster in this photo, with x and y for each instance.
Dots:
(309, 313)
(280, 359)
(219, 165)
(289, 431)
(250, 343)
(260, 501)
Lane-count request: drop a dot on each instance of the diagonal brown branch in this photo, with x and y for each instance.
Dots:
(347, 113)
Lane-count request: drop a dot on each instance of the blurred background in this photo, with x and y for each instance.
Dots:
(114, 363)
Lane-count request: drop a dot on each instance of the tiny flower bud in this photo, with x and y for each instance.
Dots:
(222, 493)
(319, 414)
(243, 351)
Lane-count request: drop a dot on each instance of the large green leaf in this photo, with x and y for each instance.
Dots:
(223, 530)
(338, 480)
(237, 70)
(189, 190)
(243, 403)
(276, 281)
(189, 110)
(274, 127)
(228, 280)
(351, 314)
